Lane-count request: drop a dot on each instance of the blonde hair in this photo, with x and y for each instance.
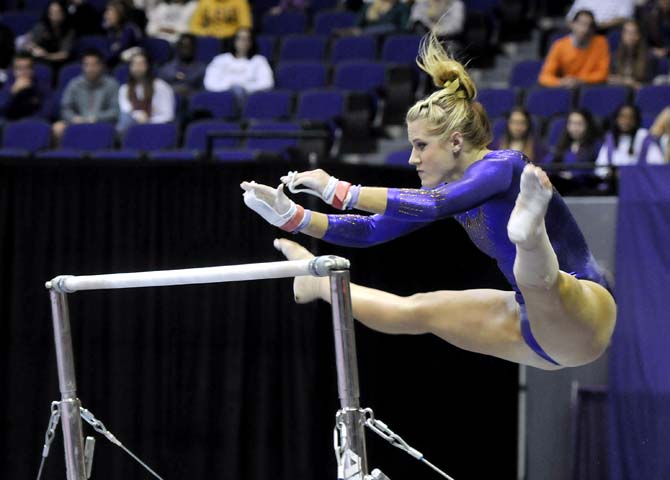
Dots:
(453, 107)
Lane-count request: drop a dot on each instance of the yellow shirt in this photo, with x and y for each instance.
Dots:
(220, 18)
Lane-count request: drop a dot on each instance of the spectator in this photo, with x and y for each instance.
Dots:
(220, 19)
(627, 143)
(170, 19)
(84, 18)
(445, 17)
(581, 57)
(579, 143)
(6, 51)
(52, 39)
(379, 16)
(661, 130)
(656, 24)
(519, 136)
(184, 73)
(607, 13)
(144, 99)
(287, 5)
(123, 35)
(22, 97)
(91, 97)
(243, 70)
(631, 62)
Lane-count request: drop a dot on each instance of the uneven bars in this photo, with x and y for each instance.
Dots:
(318, 266)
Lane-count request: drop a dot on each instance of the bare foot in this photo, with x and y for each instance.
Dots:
(527, 220)
(307, 288)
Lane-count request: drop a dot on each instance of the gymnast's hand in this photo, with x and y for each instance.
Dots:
(320, 184)
(273, 205)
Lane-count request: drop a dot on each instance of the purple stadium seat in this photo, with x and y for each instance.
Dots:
(121, 72)
(286, 23)
(221, 105)
(497, 101)
(603, 100)
(545, 102)
(653, 98)
(321, 5)
(524, 74)
(305, 48)
(267, 105)
(354, 48)
(267, 45)
(326, 22)
(401, 49)
(25, 137)
(399, 158)
(256, 145)
(299, 76)
(195, 141)
(19, 22)
(97, 42)
(360, 76)
(320, 105)
(206, 48)
(79, 139)
(158, 49)
(67, 73)
(498, 127)
(555, 130)
(148, 137)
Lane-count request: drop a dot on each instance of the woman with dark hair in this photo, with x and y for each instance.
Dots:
(144, 99)
(519, 135)
(52, 39)
(656, 23)
(626, 143)
(241, 69)
(631, 62)
(123, 34)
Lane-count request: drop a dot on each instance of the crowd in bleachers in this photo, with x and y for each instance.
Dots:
(152, 78)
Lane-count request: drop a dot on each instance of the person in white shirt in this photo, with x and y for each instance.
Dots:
(243, 70)
(607, 13)
(628, 144)
(169, 19)
(445, 17)
(144, 99)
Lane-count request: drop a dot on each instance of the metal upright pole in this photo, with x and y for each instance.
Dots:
(73, 440)
(347, 369)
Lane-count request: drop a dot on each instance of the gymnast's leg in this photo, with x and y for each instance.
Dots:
(483, 321)
(571, 319)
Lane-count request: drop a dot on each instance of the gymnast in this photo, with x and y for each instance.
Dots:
(559, 313)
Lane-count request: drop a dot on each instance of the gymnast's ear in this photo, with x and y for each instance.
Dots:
(455, 142)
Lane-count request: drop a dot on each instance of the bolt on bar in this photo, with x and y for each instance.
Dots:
(345, 347)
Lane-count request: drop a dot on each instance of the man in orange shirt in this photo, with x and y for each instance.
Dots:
(581, 57)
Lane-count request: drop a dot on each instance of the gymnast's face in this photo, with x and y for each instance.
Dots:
(432, 157)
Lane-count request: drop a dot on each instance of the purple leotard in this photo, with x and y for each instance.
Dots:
(481, 202)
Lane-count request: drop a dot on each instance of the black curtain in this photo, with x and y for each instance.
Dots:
(230, 381)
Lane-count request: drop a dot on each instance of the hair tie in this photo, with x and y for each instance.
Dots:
(452, 87)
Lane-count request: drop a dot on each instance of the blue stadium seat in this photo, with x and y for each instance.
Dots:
(653, 98)
(305, 48)
(36, 5)
(321, 5)
(96, 42)
(80, 139)
(546, 102)
(286, 23)
(327, 21)
(147, 137)
(613, 39)
(19, 22)
(299, 76)
(524, 74)
(603, 100)
(158, 49)
(206, 48)
(121, 73)
(555, 130)
(399, 158)
(195, 141)
(360, 76)
(320, 105)
(267, 46)
(222, 105)
(67, 73)
(255, 145)
(498, 126)
(266, 105)
(401, 49)
(353, 48)
(497, 101)
(25, 137)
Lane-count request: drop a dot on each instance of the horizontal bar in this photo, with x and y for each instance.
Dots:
(318, 266)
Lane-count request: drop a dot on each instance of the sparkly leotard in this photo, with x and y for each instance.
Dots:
(481, 201)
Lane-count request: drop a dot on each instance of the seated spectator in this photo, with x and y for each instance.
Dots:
(144, 99)
(184, 73)
(519, 136)
(661, 131)
(578, 58)
(84, 18)
(22, 97)
(579, 143)
(170, 19)
(607, 14)
(215, 18)
(123, 35)
(52, 39)
(656, 24)
(379, 16)
(631, 62)
(288, 5)
(445, 17)
(243, 70)
(627, 143)
(6, 51)
(91, 97)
